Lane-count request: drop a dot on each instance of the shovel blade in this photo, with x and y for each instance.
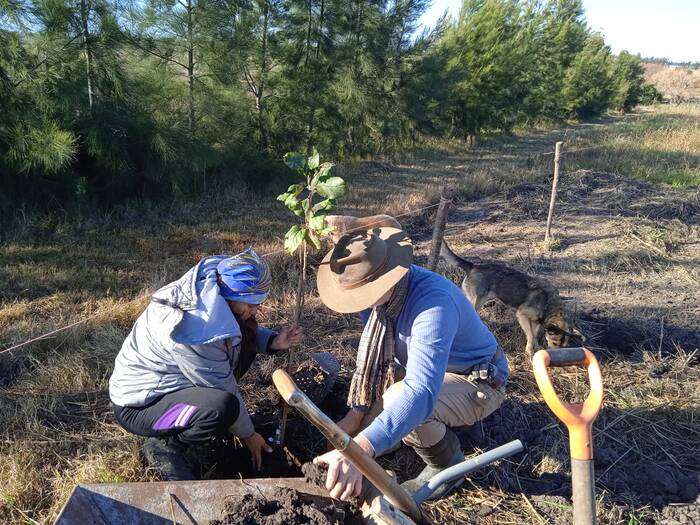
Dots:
(317, 392)
(329, 364)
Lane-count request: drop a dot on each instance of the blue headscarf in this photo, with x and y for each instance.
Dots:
(244, 277)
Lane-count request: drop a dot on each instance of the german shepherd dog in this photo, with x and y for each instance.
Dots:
(536, 302)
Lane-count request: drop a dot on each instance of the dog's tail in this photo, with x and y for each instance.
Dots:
(454, 260)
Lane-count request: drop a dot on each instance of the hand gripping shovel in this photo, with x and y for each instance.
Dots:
(578, 418)
(394, 493)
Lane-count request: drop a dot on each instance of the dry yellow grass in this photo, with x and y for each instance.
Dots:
(660, 144)
(55, 424)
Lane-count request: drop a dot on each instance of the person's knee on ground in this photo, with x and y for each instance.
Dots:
(213, 417)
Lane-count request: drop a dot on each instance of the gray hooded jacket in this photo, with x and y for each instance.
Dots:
(186, 337)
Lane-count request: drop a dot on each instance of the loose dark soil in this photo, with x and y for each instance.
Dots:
(226, 458)
(315, 474)
(289, 507)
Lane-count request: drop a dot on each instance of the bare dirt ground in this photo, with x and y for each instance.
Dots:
(626, 256)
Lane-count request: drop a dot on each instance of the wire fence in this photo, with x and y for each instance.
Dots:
(51, 333)
(88, 318)
(577, 150)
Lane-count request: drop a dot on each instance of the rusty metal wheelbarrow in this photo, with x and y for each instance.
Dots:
(169, 502)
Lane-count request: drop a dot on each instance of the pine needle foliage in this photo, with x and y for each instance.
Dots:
(106, 101)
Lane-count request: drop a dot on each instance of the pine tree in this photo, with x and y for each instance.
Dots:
(484, 66)
(558, 33)
(628, 78)
(588, 86)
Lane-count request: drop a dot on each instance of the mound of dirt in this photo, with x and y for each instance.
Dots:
(289, 507)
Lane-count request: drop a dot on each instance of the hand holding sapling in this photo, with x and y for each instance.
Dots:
(287, 336)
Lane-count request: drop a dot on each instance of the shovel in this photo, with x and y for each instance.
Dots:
(578, 418)
(394, 493)
(330, 367)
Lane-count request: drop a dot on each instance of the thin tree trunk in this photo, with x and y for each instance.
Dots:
(308, 34)
(358, 33)
(190, 73)
(84, 14)
(320, 29)
(260, 98)
(301, 284)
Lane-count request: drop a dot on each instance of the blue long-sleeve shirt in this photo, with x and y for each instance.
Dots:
(437, 331)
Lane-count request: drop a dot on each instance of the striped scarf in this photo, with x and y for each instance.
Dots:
(375, 365)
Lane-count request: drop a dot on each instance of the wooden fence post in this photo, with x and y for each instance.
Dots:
(439, 229)
(553, 198)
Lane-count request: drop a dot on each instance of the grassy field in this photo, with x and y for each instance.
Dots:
(56, 428)
(661, 145)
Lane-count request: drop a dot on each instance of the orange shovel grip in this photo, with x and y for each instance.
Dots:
(577, 417)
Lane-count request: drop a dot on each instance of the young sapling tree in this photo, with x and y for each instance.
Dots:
(310, 200)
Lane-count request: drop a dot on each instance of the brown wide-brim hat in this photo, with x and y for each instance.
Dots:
(362, 267)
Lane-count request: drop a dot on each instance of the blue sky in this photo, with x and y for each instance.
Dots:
(659, 28)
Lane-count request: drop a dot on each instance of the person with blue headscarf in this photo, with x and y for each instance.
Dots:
(175, 379)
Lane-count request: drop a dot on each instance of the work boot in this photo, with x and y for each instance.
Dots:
(445, 453)
(167, 457)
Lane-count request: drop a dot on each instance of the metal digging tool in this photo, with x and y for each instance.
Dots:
(330, 367)
(578, 418)
(408, 506)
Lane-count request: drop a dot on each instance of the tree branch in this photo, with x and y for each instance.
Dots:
(155, 53)
(44, 60)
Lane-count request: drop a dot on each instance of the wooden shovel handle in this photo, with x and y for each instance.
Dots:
(577, 417)
(394, 492)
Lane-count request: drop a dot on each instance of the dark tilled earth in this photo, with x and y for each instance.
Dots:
(287, 507)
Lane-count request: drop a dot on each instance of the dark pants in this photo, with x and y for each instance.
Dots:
(190, 415)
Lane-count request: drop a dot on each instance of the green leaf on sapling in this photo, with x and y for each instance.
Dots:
(313, 239)
(295, 189)
(317, 222)
(291, 201)
(332, 188)
(293, 238)
(314, 159)
(324, 171)
(324, 206)
(294, 160)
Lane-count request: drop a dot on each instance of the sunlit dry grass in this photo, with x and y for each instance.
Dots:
(661, 145)
(55, 423)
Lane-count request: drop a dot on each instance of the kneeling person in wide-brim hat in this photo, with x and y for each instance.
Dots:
(426, 362)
